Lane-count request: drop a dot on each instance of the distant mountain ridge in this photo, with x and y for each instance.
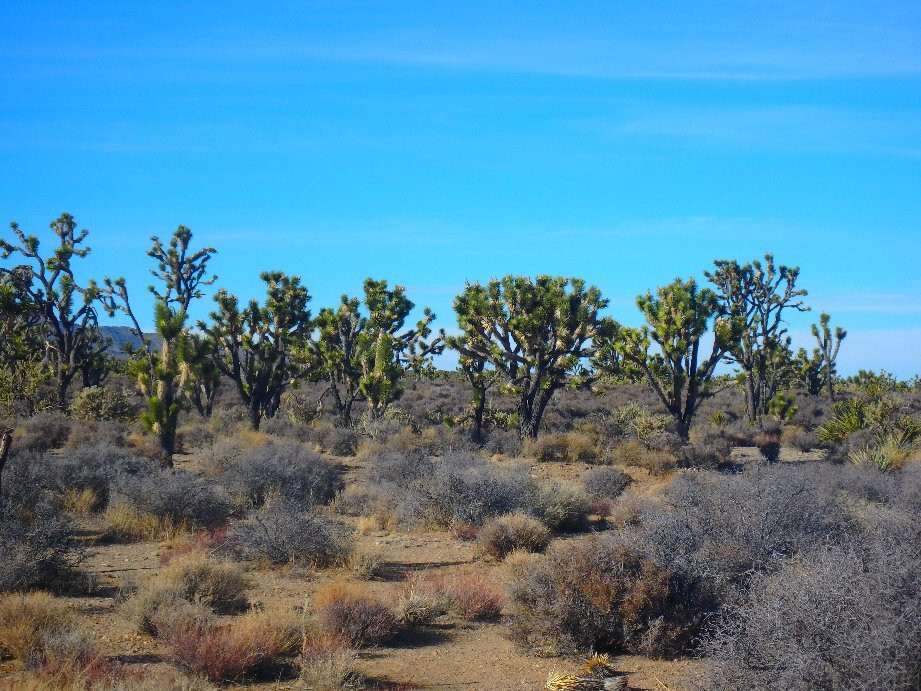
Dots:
(124, 335)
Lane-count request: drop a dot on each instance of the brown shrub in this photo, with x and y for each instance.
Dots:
(474, 596)
(357, 618)
(328, 664)
(599, 595)
(635, 453)
(229, 652)
(44, 635)
(572, 447)
(218, 584)
(514, 531)
(422, 599)
(562, 506)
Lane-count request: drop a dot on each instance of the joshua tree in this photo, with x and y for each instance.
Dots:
(810, 370)
(678, 317)
(481, 380)
(829, 345)
(363, 357)
(164, 376)
(258, 346)
(533, 332)
(756, 296)
(67, 312)
(6, 441)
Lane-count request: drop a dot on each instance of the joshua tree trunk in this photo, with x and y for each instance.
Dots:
(6, 441)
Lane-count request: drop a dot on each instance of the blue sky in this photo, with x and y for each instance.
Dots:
(432, 143)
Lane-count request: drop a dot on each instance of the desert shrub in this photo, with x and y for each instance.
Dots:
(95, 468)
(337, 441)
(502, 442)
(99, 403)
(562, 506)
(708, 450)
(102, 433)
(220, 585)
(353, 616)
(26, 622)
(607, 483)
(458, 488)
(422, 599)
(474, 596)
(288, 470)
(549, 447)
(176, 496)
(722, 528)
(574, 447)
(635, 453)
(43, 432)
(229, 652)
(600, 595)
(37, 546)
(768, 443)
(328, 664)
(367, 565)
(284, 533)
(501, 535)
(163, 607)
(800, 439)
(842, 617)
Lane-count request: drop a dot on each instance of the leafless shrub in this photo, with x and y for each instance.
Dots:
(284, 533)
(287, 470)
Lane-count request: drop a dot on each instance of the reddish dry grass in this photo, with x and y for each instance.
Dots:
(229, 652)
(353, 616)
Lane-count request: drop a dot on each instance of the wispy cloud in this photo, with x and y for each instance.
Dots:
(868, 302)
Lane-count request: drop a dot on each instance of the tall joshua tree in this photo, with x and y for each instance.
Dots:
(66, 310)
(533, 332)
(757, 295)
(829, 344)
(363, 354)
(678, 316)
(261, 348)
(165, 375)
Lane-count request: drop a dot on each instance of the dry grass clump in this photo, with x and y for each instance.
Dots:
(218, 584)
(160, 607)
(635, 453)
(475, 596)
(229, 652)
(468, 595)
(187, 593)
(572, 447)
(122, 522)
(514, 531)
(43, 635)
(562, 506)
(422, 599)
(367, 565)
(328, 664)
(351, 614)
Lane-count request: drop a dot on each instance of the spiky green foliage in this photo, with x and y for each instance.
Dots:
(809, 371)
(533, 332)
(165, 377)
(262, 347)
(363, 356)
(678, 317)
(758, 295)
(829, 344)
(65, 311)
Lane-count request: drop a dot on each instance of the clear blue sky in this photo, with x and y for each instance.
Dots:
(431, 143)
